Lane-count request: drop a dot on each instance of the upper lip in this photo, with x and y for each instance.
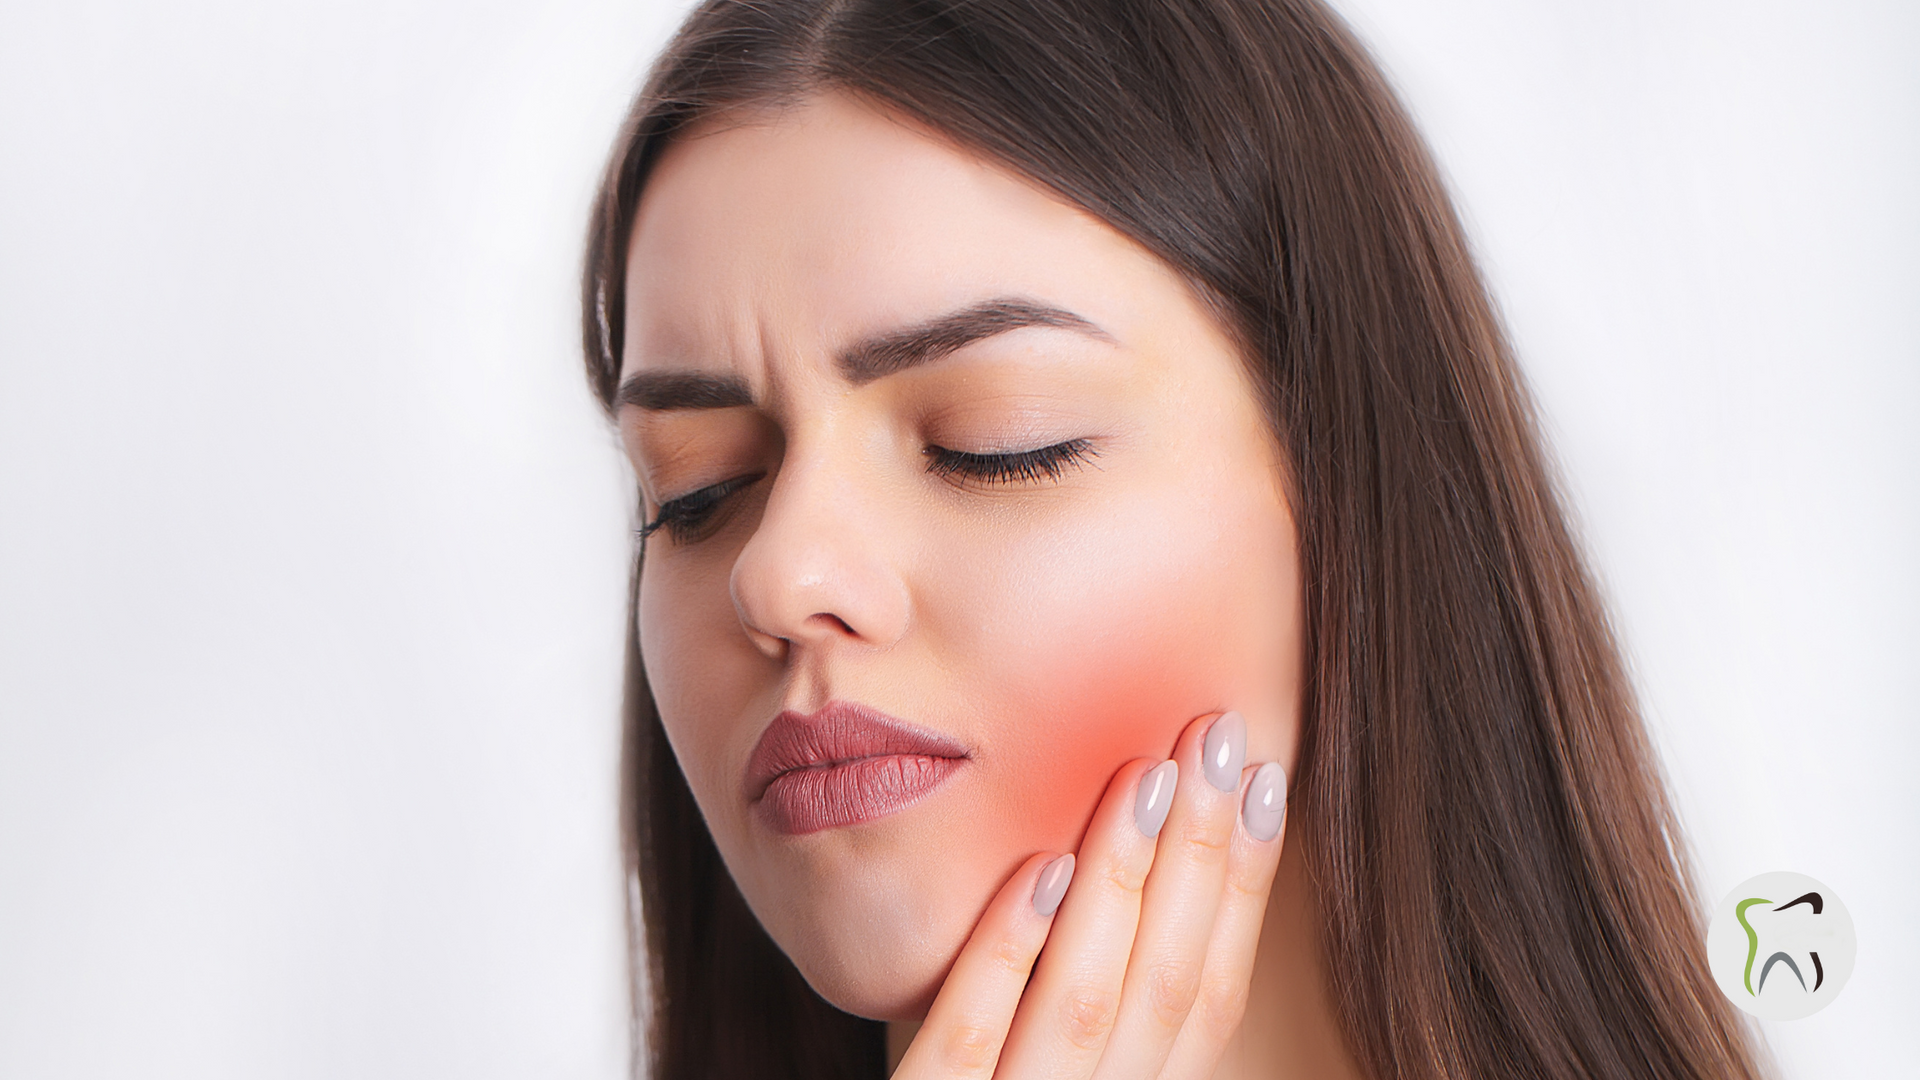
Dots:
(838, 733)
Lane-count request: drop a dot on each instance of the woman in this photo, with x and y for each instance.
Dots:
(1070, 434)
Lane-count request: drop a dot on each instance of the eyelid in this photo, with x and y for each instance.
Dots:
(672, 451)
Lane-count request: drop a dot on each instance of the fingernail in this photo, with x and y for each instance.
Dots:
(1226, 752)
(1053, 885)
(1266, 804)
(1155, 798)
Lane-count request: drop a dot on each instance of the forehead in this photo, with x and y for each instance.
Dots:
(800, 229)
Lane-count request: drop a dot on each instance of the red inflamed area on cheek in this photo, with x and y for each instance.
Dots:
(1106, 709)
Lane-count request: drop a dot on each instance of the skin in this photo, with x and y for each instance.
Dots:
(1070, 630)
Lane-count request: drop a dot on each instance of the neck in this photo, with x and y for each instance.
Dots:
(1294, 1034)
(1292, 1031)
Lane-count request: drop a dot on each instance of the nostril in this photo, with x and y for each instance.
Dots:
(835, 622)
(772, 646)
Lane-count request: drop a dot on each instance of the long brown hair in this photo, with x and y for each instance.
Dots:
(1503, 884)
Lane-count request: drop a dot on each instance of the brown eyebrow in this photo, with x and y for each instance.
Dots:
(947, 334)
(662, 390)
(865, 361)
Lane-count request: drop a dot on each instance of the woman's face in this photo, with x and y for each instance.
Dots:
(966, 502)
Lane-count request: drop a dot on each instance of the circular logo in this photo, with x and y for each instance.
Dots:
(1781, 946)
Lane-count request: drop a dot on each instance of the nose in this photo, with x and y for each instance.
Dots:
(820, 569)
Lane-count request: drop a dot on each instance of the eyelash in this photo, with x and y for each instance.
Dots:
(1021, 467)
(684, 517)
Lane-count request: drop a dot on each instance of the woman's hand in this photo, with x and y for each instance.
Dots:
(1148, 955)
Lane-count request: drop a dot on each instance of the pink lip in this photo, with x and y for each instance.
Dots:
(844, 765)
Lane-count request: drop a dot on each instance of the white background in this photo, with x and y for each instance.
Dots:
(312, 544)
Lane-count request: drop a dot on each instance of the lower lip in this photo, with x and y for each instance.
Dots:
(850, 792)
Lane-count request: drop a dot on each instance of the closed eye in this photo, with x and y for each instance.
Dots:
(1019, 467)
(686, 518)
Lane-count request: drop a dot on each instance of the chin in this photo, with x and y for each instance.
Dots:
(878, 992)
(876, 936)
(873, 967)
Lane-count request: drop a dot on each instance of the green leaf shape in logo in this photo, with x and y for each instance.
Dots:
(1753, 939)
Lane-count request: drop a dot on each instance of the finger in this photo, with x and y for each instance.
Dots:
(1222, 999)
(968, 1022)
(1180, 899)
(1074, 997)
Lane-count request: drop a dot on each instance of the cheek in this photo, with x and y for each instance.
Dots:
(1101, 703)
(1120, 636)
(707, 679)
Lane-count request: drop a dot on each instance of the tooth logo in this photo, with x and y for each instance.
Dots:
(1781, 946)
